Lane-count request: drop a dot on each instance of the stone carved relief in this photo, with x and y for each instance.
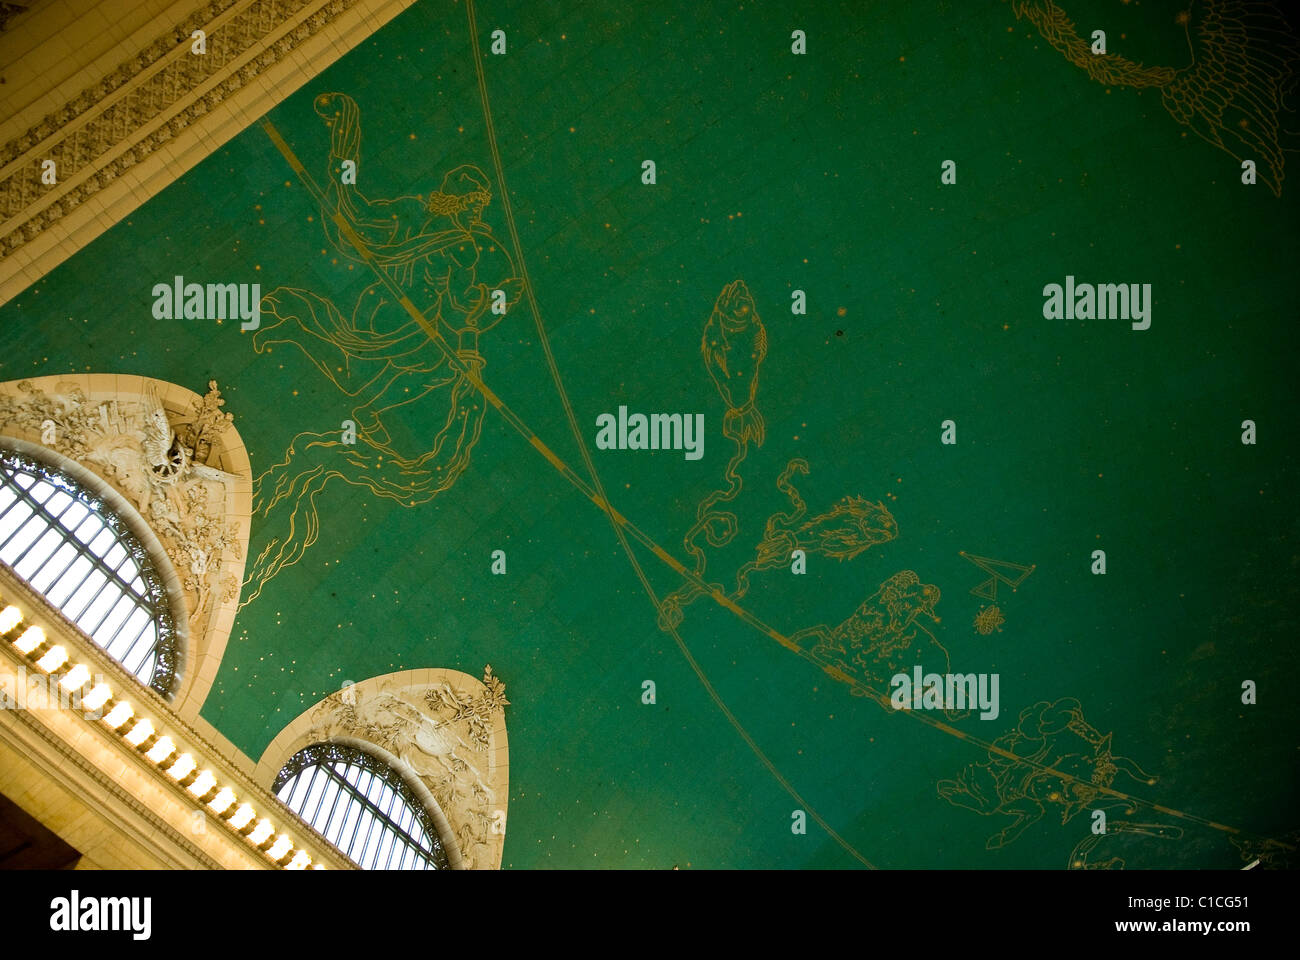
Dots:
(80, 146)
(444, 732)
(154, 460)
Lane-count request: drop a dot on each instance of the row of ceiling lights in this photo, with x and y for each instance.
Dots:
(141, 734)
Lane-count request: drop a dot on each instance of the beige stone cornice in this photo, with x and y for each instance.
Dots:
(75, 754)
(128, 132)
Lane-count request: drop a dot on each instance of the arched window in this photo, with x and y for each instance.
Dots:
(72, 549)
(361, 805)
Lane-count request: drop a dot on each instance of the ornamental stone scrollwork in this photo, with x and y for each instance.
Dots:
(147, 101)
(172, 463)
(442, 727)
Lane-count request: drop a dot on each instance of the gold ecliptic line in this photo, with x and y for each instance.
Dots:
(624, 523)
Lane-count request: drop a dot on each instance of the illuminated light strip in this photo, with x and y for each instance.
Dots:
(31, 638)
(261, 833)
(10, 617)
(242, 817)
(54, 658)
(76, 678)
(280, 849)
(160, 751)
(141, 732)
(203, 784)
(181, 767)
(119, 715)
(99, 695)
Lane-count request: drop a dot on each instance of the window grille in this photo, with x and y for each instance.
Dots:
(71, 548)
(361, 805)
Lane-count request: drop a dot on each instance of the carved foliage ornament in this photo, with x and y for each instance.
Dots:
(157, 465)
(444, 736)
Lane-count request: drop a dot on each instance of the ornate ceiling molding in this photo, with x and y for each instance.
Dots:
(443, 730)
(170, 458)
(53, 759)
(126, 136)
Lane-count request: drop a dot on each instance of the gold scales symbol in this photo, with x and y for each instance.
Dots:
(1000, 571)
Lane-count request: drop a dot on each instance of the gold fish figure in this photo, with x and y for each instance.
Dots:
(852, 525)
(734, 345)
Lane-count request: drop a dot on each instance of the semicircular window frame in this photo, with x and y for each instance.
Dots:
(131, 570)
(338, 762)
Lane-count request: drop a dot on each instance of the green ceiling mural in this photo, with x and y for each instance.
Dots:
(907, 459)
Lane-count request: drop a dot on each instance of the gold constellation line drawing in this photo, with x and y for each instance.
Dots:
(1230, 94)
(432, 250)
(999, 571)
(627, 528)
(620, 524)
(733, 347)
(1023, 777)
